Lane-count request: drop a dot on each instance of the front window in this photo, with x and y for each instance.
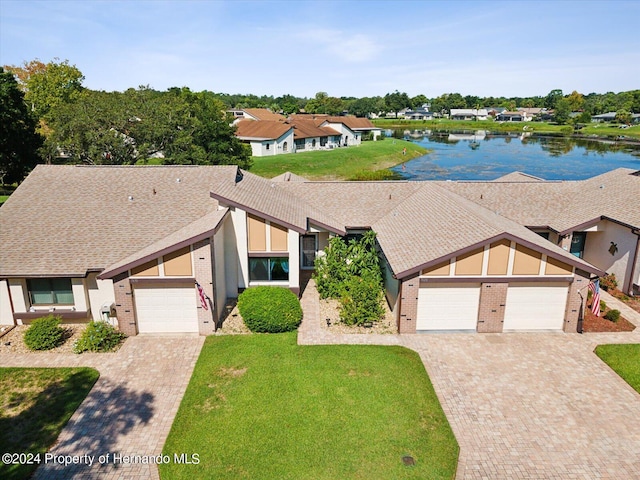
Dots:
(267, 269)
(300, 144)
(50, 291)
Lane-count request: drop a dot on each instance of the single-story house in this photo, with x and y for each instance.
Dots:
(604, 117)
(266, 137)
(129, 243)
(308, 135)
(468, 114)
(512, 117)
(418, 114)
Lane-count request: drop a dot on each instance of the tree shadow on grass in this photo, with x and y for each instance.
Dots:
(109, 412)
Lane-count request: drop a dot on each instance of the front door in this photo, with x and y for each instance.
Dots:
(308, 251)
(577, 244)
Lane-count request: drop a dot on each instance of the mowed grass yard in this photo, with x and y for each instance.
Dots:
(623, 359)
(35, 405)
(340, 163)
(262, 407)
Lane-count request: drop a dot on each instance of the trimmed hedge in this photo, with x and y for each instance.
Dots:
(267, 309)
(44, 333)
(98, 337)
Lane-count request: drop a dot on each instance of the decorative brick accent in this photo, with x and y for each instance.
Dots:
(408, 305)
(573, 303)
(203, 261)
(124, 305)
(493, 298)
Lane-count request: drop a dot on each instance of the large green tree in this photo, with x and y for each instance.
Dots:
(19, 142)
(49, 85)
(396, 101)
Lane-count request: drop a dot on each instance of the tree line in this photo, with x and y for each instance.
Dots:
(49, 116)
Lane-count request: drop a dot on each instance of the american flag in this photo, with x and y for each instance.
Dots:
(595, 301)
(203, 297)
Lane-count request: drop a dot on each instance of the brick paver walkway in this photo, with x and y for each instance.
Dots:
(130, 409)
(522, 406)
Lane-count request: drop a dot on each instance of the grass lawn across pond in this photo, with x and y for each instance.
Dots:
(349, 163)
(35, 405)
(262, 407)
(624, 359)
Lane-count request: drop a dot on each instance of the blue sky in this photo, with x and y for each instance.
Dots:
(344, 48)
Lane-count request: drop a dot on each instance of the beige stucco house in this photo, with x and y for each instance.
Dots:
(128, 244)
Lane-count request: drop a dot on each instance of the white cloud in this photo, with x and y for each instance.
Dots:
(351, 48)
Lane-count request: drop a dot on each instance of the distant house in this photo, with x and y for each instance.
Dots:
(256, 114)
(468, 114)
(266, 137)
(418, 114)
(310, 136)
(512, 117)
(604, 117)
(532, 112)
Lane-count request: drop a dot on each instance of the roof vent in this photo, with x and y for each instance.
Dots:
(601, 187)
(178, 180)
(131, 198)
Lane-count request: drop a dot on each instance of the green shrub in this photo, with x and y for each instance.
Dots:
(603, 305)
(608, 282)
(267, 309)
(362, 300)
(342, 260)
(613, 315)
(98, 337)
(44, 333)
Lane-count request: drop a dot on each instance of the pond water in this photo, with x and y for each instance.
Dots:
(481, 155)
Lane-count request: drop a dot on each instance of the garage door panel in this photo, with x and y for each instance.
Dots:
(166, 309)
(535, 307)
(448, 307)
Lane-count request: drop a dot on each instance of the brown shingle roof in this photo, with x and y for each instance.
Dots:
(267, 198)
(308, 129)
(64, 220)
(261, 130)
(559, 205)
(264, 114)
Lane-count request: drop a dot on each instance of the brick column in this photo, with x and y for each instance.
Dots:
(124, 305)
(203, 271)
(493, 298)
(408, 305)
(573, 303)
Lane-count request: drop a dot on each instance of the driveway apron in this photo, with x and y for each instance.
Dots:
(129, 411)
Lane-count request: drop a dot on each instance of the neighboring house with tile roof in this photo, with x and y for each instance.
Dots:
(128, 244)
(266, 137)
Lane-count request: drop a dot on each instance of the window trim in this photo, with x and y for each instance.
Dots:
(269, 258)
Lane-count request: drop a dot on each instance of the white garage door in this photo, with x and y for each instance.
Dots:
(448, 307)
(532, 306)
(170, 308)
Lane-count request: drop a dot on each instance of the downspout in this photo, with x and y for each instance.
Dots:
(634, 261)
(11, 303)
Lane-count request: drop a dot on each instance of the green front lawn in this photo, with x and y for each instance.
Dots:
(35, 405)
(262, 407)
(624, 359)
(340, 163)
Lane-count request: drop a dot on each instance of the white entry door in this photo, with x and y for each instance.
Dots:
(448, 307)
(168, 308)
(535, 306)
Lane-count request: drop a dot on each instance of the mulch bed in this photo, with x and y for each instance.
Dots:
(595, 324)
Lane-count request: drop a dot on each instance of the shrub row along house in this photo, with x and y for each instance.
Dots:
(270, 133)
(132, 243)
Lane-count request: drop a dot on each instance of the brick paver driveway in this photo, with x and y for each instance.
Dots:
(130, 409)
(534, 405)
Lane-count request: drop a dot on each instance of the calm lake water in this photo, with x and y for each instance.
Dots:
(484, 156)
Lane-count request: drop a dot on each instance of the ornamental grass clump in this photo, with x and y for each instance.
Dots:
(98, 337)
(44, 333)
(267, 309)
